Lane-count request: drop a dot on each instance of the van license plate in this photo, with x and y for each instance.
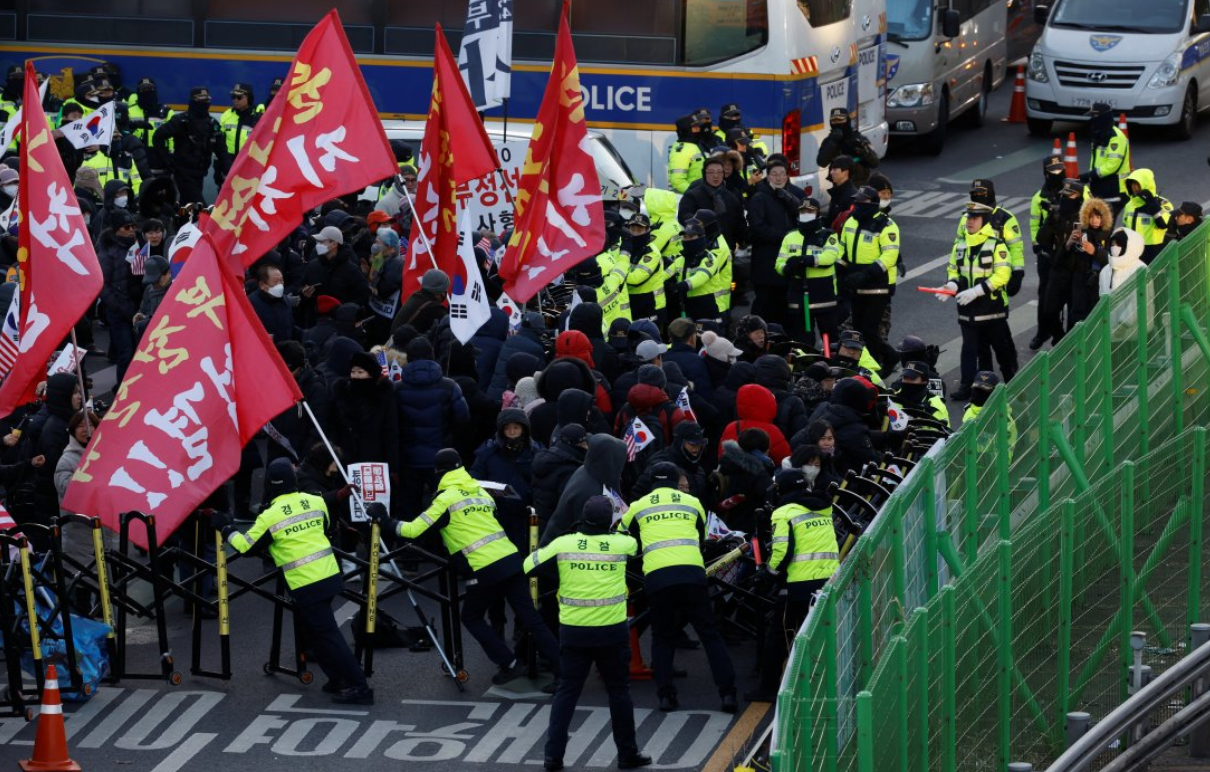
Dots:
(1082, 102)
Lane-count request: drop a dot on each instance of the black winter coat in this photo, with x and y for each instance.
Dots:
(363, 417)
(193, 139)
(693, 365)
(772, 213)
(552, 468)
(339, 277)
(774, 374)
(117, 289)
(722, 202)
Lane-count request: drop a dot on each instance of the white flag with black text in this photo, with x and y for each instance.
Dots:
(469, 307)
(486, 55)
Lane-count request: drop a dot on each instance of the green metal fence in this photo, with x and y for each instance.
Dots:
(996, 588)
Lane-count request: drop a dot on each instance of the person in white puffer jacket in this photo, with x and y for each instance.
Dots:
(1125, 259)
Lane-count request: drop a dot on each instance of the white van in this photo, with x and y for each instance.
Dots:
(1149, 60)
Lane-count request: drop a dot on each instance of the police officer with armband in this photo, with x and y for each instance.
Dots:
(912, 392)
(591, 565)
(807, 260)
(466, 516)
(804, 556)
(685, 156)
(978, 272)
(292, 527)
(1005, 226)
(869, 247)
(670, 526)
(706, 286)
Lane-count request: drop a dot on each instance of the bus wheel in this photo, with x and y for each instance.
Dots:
(979, 115)
(1185, 127)
(933, 142)
(1039, 127)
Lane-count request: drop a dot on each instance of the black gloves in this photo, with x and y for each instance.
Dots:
(223, 522)
(793, 266)
(764, 582)
(378, 514)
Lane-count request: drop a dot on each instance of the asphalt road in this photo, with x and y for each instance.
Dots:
(276, 723)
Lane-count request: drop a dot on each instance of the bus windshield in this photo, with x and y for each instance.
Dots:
(909, 19)
(1163, 16)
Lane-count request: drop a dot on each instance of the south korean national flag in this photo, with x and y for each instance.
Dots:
(469, 308)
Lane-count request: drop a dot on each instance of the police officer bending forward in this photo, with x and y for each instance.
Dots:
(293, 528)
(592, 628)
(466, 515)
(670, 524)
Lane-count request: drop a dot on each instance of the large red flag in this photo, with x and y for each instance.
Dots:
(455, 149)
(205, 380)
(559, 218)
(60, 276)
(320, 138)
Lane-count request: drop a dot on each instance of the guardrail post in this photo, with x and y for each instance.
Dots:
(865, 732)
(1175, 347)
(831, 687)
(1106, 386)
(1066, 565)
(1044, 431)
(1199, 739)
(899, 645)
(865, 622)
(970, 500)
(921, 665)
(1079, 429)
(1126, 573)
(949, 669)
(1077, 726)
(1142, 380)
(1196, 511)
(1004, 653)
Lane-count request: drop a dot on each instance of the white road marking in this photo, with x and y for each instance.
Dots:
(185, 752)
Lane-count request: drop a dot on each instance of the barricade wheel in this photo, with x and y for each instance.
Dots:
(29, 715)
(268, 668)
(463, 676)
(175, 679)
(306, 677)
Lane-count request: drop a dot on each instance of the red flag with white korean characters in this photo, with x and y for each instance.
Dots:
(559, 219)
(204, 380)
(455, 149)
(321, 138)
(60, 276)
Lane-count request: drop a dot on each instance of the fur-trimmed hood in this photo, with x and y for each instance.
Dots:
(746, 461)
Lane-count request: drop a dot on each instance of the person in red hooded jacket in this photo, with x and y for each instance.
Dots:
(756, 408)
(575, 344)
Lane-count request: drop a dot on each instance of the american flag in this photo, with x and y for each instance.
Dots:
(6, 520)
(638, 436)
(9, 336)
(682, 401)
(485, 244)
(138, 258)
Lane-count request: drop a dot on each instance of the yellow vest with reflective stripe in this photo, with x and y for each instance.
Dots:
(592, 576)
(147, 136)
(684, 165)
(107, 170)
(804, 543)
(647, 276)
(472, 529)
(667, 522)
(296, 523)
(234, 133)
(613, 296)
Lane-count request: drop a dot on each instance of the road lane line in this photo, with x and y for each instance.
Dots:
(185, 752)
(731, 746)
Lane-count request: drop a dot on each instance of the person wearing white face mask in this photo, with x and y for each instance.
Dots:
(269, 304)
(807, 260)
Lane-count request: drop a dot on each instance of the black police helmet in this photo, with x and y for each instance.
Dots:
(446, 460)
(866, 195)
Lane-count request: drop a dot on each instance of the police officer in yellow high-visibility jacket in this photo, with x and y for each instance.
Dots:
(807, 260)
(869, 247)
(913, 393)
(985, 383)
(591, 564)
(646, 279)
(1110, 157)
(1146, 213)
(806, 554)
(466, 516)
(145, 115)
(978, 273)
(293, 528)
(1006, 227)
(706, 284)
(236, 124)
(670, 526)
(685, 156)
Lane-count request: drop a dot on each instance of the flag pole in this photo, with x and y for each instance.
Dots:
(79, 362)
(505, 100)
(423, 237)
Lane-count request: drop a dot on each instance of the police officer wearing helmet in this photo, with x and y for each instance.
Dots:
(978, 272)
(465, 514)
(1007, 229)
(706, 282)
(685, 156)
(804, 556)
(1106, 175)
(913, 393)
(670, 526)
(145, 115)
(604, 277)
(985, 383)
(591, 564)
(807, 260)
(292, 527)
(869, 246)
(913, 349)
(236, 124)
(645, 281)
(852, 355)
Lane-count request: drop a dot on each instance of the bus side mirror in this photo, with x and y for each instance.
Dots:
(951, 23)
(1041, 13)
(1202, 25)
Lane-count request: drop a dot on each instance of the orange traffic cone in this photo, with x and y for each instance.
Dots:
(638, 668)
(1071, 161)
(1058, 151)
(50, 744)
(1122, 124)
(1016, 113)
